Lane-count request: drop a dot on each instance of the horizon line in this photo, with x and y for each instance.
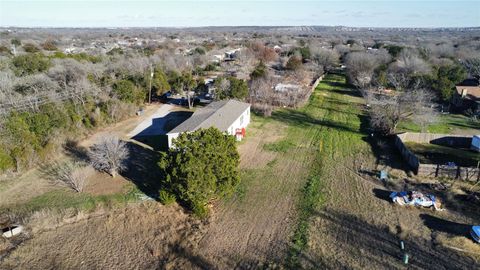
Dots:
(219, 26)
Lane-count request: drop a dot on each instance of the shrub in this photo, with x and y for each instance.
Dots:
(260, 71)
(126, 91)
(166, 197)
(199, 50)
(202, 166)
(294, 62)
(31, 48)
(30, 63)
(49, 45)
(6, 161)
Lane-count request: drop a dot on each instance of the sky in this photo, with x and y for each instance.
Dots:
(378, 13)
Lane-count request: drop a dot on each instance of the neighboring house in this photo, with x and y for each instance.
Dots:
(229, 116)
(210, 84)
(231, 55)
(467, 96)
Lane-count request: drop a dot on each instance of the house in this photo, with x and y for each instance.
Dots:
(231, 55)
(467, 95)
(229, 116)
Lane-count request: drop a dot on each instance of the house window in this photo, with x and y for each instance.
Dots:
(241, 120)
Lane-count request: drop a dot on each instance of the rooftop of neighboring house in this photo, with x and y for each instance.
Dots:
(219, 114)
(469, 92)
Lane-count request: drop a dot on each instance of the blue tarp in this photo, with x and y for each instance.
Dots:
(476, 229)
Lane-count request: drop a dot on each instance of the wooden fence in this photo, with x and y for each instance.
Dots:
(436, 170)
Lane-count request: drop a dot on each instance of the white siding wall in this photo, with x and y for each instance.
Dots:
(241, 122)
(170, 137)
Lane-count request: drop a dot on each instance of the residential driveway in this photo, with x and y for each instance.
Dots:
(155, 124)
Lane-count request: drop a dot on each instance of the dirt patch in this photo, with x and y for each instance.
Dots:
(252, 154)
(103, 184)
(147, 236)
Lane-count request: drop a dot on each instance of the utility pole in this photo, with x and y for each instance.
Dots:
(150, 91)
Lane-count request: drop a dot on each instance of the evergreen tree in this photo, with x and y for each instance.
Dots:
(202, 166)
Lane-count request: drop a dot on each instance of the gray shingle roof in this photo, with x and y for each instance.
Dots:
(219, 114)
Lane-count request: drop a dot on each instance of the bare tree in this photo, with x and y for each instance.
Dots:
(424, 111)
(109, 155)
(387, 111)
(67, 71)
(360, 68)
(326, 58)
(411, 63)
(473, 66)
(71, 175)
(222, 88)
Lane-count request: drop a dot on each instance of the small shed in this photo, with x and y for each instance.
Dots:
(475, 143)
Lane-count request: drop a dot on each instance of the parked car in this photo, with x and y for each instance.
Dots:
(12, 231)
(475, 233)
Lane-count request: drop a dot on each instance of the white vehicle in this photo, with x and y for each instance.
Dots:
(12, 231)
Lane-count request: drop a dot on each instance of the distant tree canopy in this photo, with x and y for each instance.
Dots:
(30, 48)
(199, 50)
(30, 63)
(304, 52)
(78, 56)
(49, 45)
(394, 50)
(260, 71)
(203, 166)
(15, 42)
(238, 88)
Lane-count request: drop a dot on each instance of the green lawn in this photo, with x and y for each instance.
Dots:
(446, 124)
(438, 154)
(63, 198)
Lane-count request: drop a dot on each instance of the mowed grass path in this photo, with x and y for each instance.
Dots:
(332, 122)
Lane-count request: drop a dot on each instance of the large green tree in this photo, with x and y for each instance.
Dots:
(160, 82)
(202, 166)
(447, 77)
(230, 87)
(126, 91)
(238, 88)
